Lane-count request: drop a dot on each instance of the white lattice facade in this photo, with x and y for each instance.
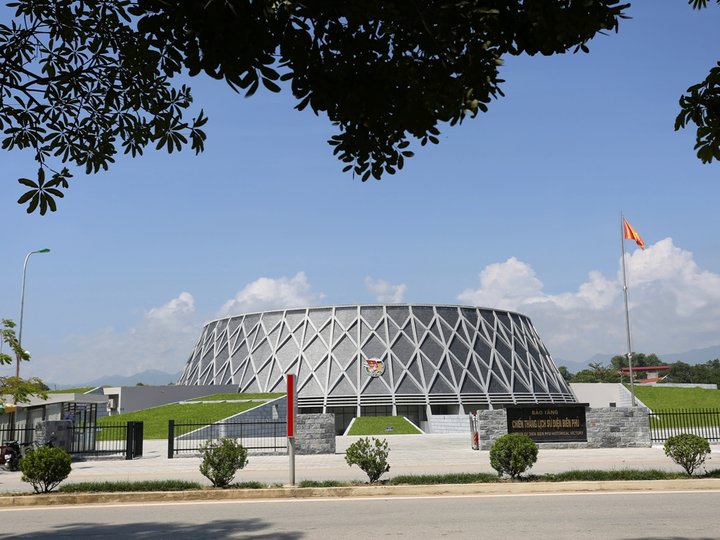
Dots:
(434, 358)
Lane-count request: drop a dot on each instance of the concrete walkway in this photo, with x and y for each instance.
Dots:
(409, 454)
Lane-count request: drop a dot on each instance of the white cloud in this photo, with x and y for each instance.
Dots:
(163, 337)
(674, 307)
(162, 340)
(269, 293)
(674, 304)
(385, 292)
(176, 308)
(504, 286)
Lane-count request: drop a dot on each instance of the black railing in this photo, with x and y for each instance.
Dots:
(260, 437)
(702, 422)
(124, 440)
(18, 433)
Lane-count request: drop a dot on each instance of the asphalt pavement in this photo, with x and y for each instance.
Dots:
(588, 516)
(409, 454)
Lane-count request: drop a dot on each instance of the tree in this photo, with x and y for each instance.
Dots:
(713, 371)
(597, 373)
(708, 373)
(565, 373)
(82, 81)
(20, 389)
(679, 372)
(639, 360)
(701, 106)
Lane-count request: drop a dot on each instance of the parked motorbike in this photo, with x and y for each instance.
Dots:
(12, 455)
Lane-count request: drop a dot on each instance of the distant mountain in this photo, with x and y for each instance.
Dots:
(604, 358)
(695, 356)
(573, 367)
(150, 377)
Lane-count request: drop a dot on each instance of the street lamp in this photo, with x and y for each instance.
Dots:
(22, 305)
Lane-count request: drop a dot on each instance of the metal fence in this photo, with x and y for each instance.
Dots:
(17, 432)
(110, 439)
(124, 440)
(259, 436)
(702, 422)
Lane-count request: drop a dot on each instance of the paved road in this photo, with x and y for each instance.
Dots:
(409, 454)
(608, 516)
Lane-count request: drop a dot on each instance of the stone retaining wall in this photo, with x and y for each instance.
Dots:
(315, 434)
(607, 427)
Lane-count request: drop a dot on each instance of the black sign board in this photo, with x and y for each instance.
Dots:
(548, 422)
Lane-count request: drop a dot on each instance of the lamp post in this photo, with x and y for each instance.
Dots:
(22, 305)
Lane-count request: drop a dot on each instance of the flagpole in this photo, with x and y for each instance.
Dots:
(627, 312)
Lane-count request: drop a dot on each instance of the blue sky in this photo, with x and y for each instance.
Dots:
(517, 209)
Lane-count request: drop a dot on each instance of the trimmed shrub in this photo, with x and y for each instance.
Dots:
(221, 460)
(45, 467)
(513, 454)
(687, 450)
(370, 454)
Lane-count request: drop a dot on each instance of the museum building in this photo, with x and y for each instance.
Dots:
(417, 361)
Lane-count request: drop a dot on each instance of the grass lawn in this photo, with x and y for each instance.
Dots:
(658, 397)
(377, 425)
(79, 390)
(156, 418)
(223, 397)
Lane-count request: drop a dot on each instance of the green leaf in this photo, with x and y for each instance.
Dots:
(34, 202)
(27, 182)
(25, 197)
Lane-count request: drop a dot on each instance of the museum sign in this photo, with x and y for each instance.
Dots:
(548, 422)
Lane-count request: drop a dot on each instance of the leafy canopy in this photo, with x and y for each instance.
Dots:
(679, 372)
(82, 81)
(18, 388)
(701, 106)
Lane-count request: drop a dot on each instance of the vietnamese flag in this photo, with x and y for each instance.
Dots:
(631, 234)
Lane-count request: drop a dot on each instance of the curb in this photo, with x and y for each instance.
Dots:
(55, 499)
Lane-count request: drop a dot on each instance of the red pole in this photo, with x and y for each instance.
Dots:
(291, 424)
(290, 405)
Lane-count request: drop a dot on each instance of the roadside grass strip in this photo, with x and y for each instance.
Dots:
(604, 476)
(454, 478)
(115, 487)
(328, 483)
(588, 475)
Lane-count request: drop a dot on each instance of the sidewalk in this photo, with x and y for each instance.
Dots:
(409, 454)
